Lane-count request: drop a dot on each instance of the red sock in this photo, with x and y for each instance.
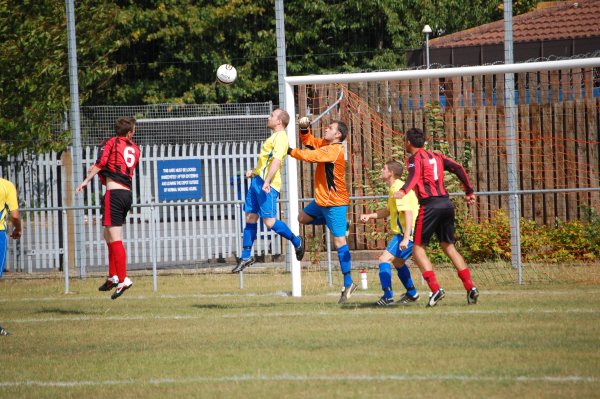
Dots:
(112, 269)
(465, 276)
(120, 257)
(431, 281)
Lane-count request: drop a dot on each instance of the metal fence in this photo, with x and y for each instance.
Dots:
(180, 123)
(171, 233)
(223, 139)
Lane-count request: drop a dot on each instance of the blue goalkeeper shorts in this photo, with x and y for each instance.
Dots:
(335, 217)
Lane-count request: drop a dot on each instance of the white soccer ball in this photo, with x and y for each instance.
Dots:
(226, 74)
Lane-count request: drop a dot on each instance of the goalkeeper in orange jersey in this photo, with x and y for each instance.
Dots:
(402, 214)
(330, 205)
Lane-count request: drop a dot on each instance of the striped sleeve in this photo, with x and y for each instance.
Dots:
(460, 172)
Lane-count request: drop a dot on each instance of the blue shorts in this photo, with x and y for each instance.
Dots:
(394, 248)
(259, 202)
(3, 250)
(335, 217)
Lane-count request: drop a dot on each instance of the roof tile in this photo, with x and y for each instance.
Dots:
(558, 20)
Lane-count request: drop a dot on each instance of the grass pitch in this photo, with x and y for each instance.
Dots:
(201, 335)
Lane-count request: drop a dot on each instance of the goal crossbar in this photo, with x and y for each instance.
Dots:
(442, 72)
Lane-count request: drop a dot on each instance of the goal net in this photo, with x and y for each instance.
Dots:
(463, 111)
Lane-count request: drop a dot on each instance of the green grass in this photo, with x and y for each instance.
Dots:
(201, 335)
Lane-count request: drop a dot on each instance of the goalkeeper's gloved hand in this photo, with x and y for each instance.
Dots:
(303, 124)
(289, 151)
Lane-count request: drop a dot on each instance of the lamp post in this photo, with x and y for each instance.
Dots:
(427, 30)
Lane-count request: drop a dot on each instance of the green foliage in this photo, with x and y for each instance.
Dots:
(34, 84)
(574, 241)
(315, 245)
(155, 51)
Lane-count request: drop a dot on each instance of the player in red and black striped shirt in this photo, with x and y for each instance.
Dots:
(117, 160)
(436, 214)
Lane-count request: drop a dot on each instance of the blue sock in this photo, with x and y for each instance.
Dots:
(283, 230)
(248, 240)
(345, 264)
(319, 221)
(4, 246)
(404, 274)
(385, 276)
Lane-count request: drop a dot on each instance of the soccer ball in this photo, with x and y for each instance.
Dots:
(226, 74)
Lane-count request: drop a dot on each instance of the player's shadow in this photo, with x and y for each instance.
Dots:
(370, 305)
(357, 305)
(224, 306)
(62, 311)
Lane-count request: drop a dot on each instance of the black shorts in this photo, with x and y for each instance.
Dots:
(435, 216)
(115, 206)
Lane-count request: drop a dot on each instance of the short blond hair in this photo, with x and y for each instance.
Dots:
(395, 167)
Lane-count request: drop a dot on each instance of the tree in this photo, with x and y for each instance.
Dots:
(172, 49)
(171, 52)
(34, 85)
(134, 52)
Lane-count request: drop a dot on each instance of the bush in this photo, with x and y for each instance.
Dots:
(573, 241)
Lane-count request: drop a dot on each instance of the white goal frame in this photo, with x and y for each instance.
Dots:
(291, 81)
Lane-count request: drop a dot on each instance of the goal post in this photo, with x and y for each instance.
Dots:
(292, 189)
(463, 88)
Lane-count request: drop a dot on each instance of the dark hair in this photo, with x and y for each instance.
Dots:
(342, 128)
(124, 125)
(416, 137)
(283, 117)
(395, 167)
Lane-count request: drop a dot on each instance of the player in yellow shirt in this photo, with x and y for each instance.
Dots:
(402, 214)
(9, 210)
(261, 199)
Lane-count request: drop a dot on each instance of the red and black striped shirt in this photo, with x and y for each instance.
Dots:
(118, 158)
(426, 175)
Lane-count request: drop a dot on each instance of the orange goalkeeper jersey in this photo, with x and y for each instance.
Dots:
(330, 182)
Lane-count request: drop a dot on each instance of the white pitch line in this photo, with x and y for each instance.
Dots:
(357, 312)
(277, 294)
(302, 378)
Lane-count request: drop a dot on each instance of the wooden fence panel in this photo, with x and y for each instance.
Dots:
(559, 151)
(544, 86)
(524, 160)
(537, 162)
(549, 161)
(482, 181)
(502, 160)
(570, 138)
(581, 157)
(592, 107)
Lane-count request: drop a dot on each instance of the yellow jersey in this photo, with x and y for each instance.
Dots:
(275, 146)
(8, 201)
(397, 207)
